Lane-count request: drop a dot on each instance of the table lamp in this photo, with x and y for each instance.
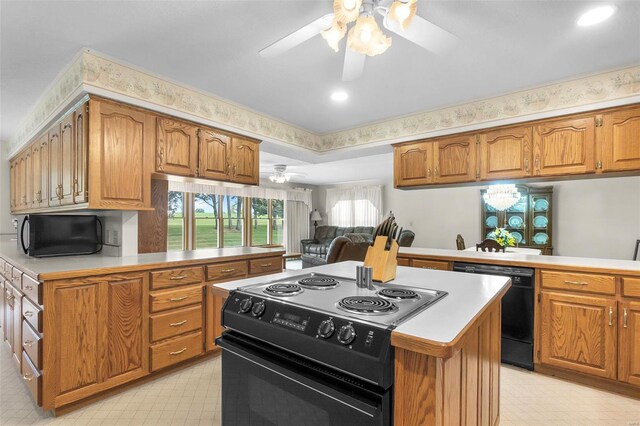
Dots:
(315, 217)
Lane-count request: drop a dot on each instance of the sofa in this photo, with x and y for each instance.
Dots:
(324, 235)
(342, 248)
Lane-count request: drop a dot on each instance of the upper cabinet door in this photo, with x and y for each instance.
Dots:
(14, 183)
(621, 142)
(454, 159)
(27, 197)
(67, 161)
(245, 161)
(176, 148)
(81, 141)
(564, 147)
(215, 155)
(55, 166)
(506, 153)
(121, 156)
(412, 164)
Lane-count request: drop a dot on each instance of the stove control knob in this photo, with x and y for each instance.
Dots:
(245, 305)
(258, 309)
(326, 329)
(346, 334)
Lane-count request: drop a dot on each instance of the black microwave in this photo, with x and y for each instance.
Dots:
(61, 235)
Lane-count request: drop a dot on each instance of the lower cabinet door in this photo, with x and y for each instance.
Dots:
(579, 333)
(629, 349)
(99, 333)
(213, 318)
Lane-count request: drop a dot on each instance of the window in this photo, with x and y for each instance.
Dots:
(175, 231)
(267, 221)
(357, 206)
(233, 220)
(223, 221)
(206, 220)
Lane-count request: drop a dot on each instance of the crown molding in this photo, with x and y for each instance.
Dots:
(91, 72)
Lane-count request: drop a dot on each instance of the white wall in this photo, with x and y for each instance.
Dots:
(592, 217)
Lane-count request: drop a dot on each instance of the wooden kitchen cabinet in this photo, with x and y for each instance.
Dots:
(454, 159)
(55, 165)
(98, 335)
(121, 146)
(40, 162)
(13, 178)
(564, 147)
(412, 164)
(80, 154)
(214, 155)
(506, 153)
(214, 328)
(579, 333)
(621, 140)
(176, 147)
(66, 160)
(629, 339)
(245, 161)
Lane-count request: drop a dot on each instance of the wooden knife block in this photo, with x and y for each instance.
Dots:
(383, 262)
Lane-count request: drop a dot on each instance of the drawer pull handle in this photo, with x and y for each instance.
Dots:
(28, 287)
(227, 271)
(625, 315)
(28, 343)
(178, 352)
(28, 314)
(266, 265)
(577, 282)
(178, 299)
(28, 377)
(610, 316)
(178, 324)
(178, 277)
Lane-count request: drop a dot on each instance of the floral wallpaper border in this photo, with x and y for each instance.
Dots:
(93, 70)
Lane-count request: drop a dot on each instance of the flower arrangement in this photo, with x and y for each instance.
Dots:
(503, 237)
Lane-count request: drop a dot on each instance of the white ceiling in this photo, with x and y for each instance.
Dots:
(213, 46)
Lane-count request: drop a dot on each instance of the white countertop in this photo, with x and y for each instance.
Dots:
(607, 265)
(468, 295)
(36, 267)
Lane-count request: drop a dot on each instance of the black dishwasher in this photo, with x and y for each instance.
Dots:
(517, 311)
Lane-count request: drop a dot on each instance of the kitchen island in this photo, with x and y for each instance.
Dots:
(447, 357)
(82, 327)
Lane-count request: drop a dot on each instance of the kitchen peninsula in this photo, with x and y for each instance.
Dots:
(81, 327)
(446, 366)
(586, 313)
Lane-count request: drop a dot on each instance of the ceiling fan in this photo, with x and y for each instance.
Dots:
(365, 38)
(280, 174)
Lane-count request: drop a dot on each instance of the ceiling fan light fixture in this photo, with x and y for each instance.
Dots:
(367, 38)
(403, 12)
(346, 10)
(334, 34)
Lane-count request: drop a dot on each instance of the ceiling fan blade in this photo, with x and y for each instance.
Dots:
(423, 33)
(297, 37)
(353, 65)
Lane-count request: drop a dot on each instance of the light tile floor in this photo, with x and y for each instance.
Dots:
(192, 397)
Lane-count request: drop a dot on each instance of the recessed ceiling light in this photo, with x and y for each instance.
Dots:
(596, 15)
(339, 96)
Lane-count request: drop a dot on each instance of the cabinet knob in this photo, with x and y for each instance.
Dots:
(28, 343)
(28, 377)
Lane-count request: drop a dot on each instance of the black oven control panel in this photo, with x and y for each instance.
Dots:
(280, 322)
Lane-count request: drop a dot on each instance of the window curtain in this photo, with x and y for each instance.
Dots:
(296, 220)
(356, 206)
(302, 195)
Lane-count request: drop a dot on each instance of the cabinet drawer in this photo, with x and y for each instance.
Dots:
(32, 289)
(430, 264)
(16, 277)
(631, 287)
(32, 378)
(227, 271)
(176, 350)
(163, 300)
(32, 344)
(2, 263)
(265, 266)
(32, 314)
(586, 283)
(7, 270)
(174, 323)
(176, 277)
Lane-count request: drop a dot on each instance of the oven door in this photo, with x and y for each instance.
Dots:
(263, 386)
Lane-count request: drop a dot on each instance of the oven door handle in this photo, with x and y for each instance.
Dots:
(340, 397)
